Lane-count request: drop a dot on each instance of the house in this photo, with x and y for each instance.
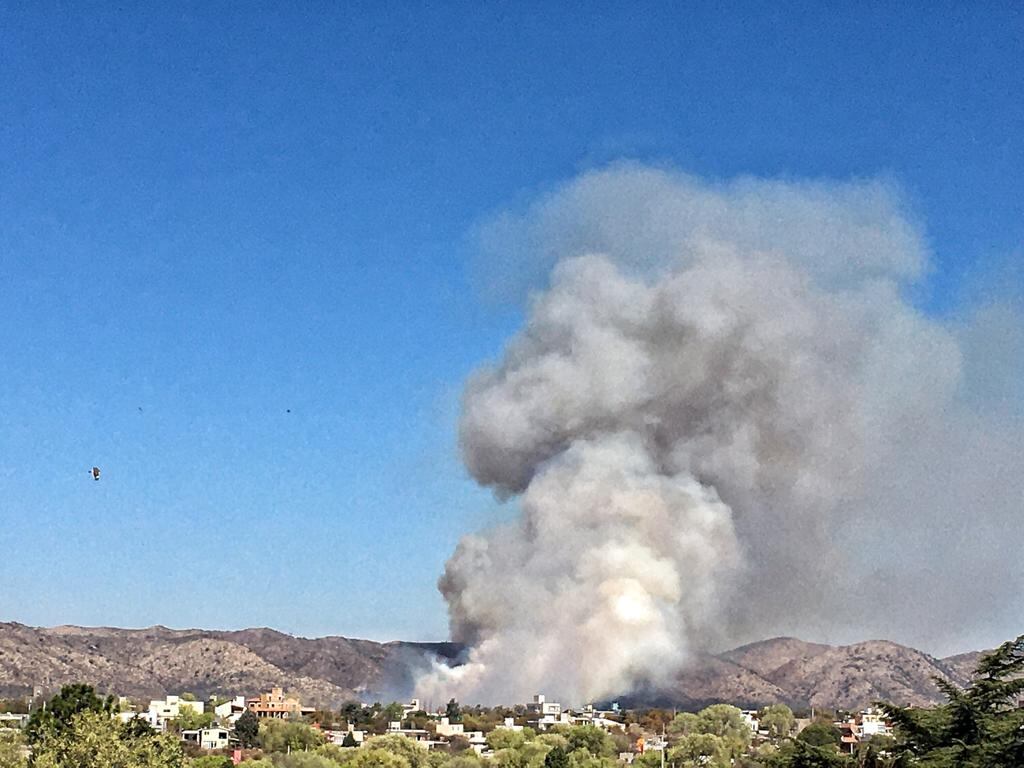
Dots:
(861, 727)
(414, 705)
(752, 720)
(277, 704)
(416, 734)
(230, 711)
(338, 737)
(477, 741)
(208, 738)
(548, 713)
(510, 725)
(873, 723)
(448, 729)
(161, 711)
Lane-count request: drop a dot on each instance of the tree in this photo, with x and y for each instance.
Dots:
(777, 719)
(684, 724)
(247, 729)
(12, 754)
(349, 740)
(97, 739)
(556, 758)
(283, 735)
(505, 738)
(453, 711)
(799, 754)
(592, 739)
(189, 719)
(508, 757)
(982, 726)
(411, 751)
(726, 722)
(377, 758)
(211, 761)
(303, 760)
(702, 749)
(820, 734)
(56, 715)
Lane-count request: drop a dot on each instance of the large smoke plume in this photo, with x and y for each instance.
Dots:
(720, 404)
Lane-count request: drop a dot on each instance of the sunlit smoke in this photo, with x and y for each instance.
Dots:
(711, 382)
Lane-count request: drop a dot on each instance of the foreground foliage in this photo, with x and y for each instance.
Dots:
(980, 727)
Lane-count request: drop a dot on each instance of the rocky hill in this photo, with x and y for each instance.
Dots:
(146, 663)
(149, 662)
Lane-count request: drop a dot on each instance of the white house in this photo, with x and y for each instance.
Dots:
(871, 722)
(338, 737)
(549, 713)
(208, 738)
(414, 705)
(448, 729)
(231, 710)
(510, 725)
(162, 710)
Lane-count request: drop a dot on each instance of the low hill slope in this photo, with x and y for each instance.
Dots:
(326, 671)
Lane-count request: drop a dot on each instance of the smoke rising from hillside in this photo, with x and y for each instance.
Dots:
(716, 394)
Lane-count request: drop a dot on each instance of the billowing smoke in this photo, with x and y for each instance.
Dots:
(712, 385)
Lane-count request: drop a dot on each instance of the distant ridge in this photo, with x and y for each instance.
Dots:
(326, 671)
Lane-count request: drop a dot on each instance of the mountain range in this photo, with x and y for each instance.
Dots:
(147, 663)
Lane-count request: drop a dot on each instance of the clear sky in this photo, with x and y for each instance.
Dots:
(236, 273)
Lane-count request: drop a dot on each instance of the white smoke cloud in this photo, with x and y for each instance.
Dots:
(709, 395)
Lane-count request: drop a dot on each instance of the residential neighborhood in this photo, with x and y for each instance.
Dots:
(245, 728)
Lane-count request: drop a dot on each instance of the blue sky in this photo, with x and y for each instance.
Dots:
(236, 272)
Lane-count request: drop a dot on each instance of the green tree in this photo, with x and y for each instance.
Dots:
(726, 722)
(800, 754)
(210, 761)
(592, 739)
(509, 757)
(556, 758)
(349, 740)
(137, 728)
(56, 715)
(376, 758)
(554, 739)
(189, 719)
(453, 711)
(247, 729)
(980, 727)
(505, 738)
(283, 735)
(94, 739)
(534, 752)
(683, 724)
(12, 749)
(820, 734)
(702, 749)
(303, 760)
(411, 751)
(777, 719)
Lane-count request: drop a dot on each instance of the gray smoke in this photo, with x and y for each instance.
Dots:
(712, 422)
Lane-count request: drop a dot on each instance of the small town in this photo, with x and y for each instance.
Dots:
(276, 728)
